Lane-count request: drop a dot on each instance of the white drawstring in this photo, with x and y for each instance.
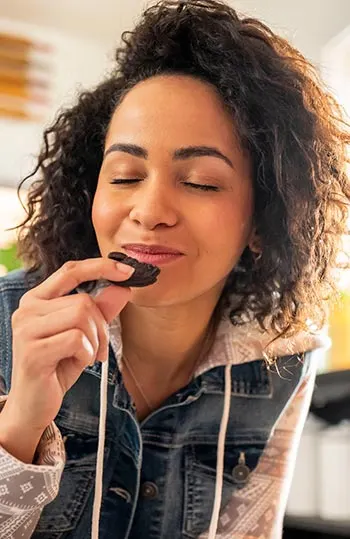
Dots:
(100, 450)
(101, 446)
(221, 454)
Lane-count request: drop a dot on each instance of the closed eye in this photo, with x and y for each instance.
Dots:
(203, 187)
(125, 180)
(199, 186)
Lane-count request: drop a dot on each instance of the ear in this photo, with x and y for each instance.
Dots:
(254, 242)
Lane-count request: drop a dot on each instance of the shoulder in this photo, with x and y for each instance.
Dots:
(15, 279)
(16, 283)
(12, 287)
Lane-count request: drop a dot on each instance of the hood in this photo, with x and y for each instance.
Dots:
(234, 345)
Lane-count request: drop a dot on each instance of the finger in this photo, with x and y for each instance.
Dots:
(111, 301)
(49, 325)
(65, 345)
(43, 307)
(74, 273)
(83, 308)
(105, 307)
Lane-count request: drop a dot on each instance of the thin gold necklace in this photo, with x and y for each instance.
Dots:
(150, 405)
(207, 340)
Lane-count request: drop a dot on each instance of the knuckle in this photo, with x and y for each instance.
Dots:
(81, 343)
(85, 300)
(69, 266)
(18, 318)
(77, 337)
(83, 307)
(15, 318)
(25, 299)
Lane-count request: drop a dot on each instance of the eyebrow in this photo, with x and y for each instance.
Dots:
(179, 154)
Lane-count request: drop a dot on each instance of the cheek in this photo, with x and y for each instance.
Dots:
(103, 214)
(226, 234)
(228, 225)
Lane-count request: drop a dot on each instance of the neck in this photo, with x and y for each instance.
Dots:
(164, 344)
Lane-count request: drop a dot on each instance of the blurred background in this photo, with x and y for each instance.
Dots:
(49, 51)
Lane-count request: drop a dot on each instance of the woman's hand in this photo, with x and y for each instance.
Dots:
(55, 337)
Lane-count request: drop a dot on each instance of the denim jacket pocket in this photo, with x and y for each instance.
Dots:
(200, 476)
(62, 515)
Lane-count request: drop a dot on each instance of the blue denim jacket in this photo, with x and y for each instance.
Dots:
(159, 475)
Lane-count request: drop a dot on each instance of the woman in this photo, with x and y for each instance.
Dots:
(213, 153)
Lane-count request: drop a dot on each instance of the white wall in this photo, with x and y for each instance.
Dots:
(77, 63)
(97, 20)
(336, 58)
(310, 24)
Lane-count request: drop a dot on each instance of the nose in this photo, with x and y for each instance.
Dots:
(154, 205)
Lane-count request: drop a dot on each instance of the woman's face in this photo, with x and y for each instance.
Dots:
(169, 136)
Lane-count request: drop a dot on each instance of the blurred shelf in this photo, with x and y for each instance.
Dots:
(316, 524)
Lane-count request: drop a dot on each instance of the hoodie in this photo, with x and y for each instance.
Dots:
(246, 513)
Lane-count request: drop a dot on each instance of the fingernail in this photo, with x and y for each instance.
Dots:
(88, 346)
(124, 268)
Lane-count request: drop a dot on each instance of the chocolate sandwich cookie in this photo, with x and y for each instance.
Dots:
(144, 274)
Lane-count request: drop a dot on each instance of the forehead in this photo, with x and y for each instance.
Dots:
(174, 108)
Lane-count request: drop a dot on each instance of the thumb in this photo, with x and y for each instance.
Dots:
(112, 300)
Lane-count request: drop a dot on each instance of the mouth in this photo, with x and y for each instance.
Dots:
(152, 254)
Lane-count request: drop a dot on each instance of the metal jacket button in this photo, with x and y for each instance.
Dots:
(149, 490)
(241, 472)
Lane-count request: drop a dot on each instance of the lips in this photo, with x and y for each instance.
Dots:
(151, 249)
(158, 255)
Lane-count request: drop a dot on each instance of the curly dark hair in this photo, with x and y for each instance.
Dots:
(292, 128)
